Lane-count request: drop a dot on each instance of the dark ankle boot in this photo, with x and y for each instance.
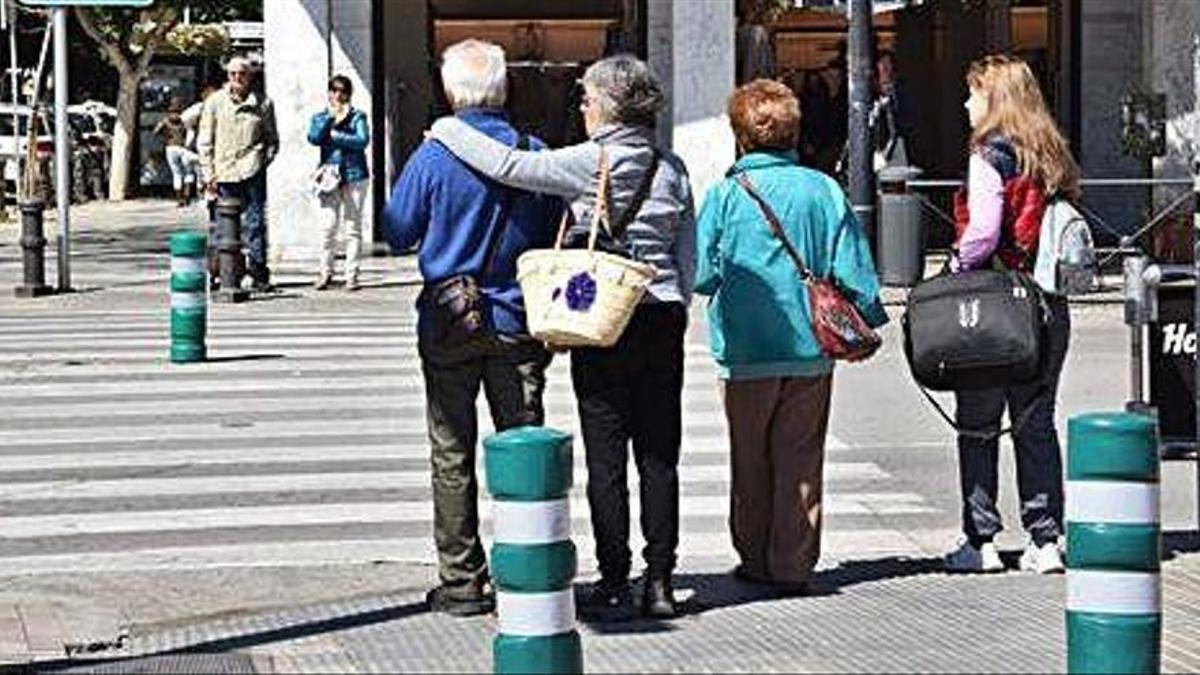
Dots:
(658, 598)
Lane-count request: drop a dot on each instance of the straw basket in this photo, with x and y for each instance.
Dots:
(581, 297)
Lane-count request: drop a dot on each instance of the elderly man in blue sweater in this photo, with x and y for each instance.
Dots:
(471, 317)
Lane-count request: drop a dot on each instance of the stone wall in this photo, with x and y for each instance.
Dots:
(1111, 46)
(1175, 24)
(299, 62)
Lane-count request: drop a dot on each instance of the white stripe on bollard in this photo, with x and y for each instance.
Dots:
(1112, 502)
(531, 522)
(187, 300)
(536, 614)
(182, 265)
(1104, 592)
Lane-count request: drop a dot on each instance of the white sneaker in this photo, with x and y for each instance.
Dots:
(967, 558)
(1044, 559)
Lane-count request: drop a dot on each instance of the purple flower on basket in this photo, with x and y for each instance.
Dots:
(581, 292)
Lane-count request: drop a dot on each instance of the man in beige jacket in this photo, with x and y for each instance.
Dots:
(237, 141)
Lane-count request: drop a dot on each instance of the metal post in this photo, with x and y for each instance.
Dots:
(1136, 318)
(15, 82)
(1196, 244)
(62, 149)
(860, 66)
(33, 245)
(229, 250)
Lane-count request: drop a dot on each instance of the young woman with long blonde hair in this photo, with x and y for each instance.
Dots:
(1019, 161)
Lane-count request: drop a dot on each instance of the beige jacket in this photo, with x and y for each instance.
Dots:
(237, 139)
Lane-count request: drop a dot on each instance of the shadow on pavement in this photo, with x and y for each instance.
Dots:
(286, 633)
(242, 357)
(1176, 542)
(713, 591)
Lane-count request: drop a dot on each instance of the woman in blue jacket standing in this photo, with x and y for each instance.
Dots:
(776, 381)
(342, 133)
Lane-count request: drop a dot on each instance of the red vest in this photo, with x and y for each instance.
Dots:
(1024, 204)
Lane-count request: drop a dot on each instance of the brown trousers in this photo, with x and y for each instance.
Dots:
(777, 438)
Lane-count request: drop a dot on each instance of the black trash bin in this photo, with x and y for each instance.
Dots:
(901, 244)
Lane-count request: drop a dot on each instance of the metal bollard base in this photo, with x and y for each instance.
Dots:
(33, 291)
(233, 295)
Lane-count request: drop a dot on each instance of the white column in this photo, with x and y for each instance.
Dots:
(297, 70)
(691, 50)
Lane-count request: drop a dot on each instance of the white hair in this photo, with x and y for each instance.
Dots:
(239, 63)
(474, 74)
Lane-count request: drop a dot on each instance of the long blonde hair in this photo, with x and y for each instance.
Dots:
(1017, 111)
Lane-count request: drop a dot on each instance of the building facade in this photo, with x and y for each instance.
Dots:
(389, 49)
(1089, 54)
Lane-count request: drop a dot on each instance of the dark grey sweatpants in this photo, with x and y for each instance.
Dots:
(1039, 459)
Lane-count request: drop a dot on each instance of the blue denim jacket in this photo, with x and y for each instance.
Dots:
(343, 144)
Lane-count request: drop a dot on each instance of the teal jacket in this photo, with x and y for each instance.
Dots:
(758, 311)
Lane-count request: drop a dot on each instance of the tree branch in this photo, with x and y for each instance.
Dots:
(164, 22)
(112, 50)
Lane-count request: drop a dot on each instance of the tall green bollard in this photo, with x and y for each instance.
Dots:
(1114, 598)
(189, 284)
(533, 560)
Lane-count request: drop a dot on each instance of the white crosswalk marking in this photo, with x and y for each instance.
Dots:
(312, 452)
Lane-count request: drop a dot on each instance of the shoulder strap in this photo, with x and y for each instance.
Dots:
(773, 220)
(1013, 427)
(639, 198)
(505, 207)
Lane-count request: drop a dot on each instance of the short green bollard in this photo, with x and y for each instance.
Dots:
(1114, 597)
(189, 285)
(529, 474)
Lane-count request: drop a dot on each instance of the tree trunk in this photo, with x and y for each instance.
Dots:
(124, 136)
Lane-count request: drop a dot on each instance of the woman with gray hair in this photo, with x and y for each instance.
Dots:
(630, 391)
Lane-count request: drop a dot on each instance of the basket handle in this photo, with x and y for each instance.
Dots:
(599, 209)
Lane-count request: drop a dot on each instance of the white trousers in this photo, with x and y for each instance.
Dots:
(345, 205)
(183, 165)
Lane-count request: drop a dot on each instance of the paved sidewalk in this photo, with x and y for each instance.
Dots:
(317, 396)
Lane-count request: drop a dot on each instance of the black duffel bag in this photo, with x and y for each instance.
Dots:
(975, 330)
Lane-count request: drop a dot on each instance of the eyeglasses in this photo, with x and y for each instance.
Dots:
(238, 73)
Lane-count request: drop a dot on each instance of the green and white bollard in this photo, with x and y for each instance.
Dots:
(189, 285)
(1114, 598)
(529, 474)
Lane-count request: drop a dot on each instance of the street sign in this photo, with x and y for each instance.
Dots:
(1172, 363)
(87, 3)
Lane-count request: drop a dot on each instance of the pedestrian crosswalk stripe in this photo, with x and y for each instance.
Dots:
(61, 525)
(418, 550)
(318, 482)
(308, 446)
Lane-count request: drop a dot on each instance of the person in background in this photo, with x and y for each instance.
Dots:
(173, 132)
(1018, 160)
(237, 141)
(342, 133)
(777, 383)
(469, 225)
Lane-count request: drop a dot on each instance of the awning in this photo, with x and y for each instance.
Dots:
(840, 6)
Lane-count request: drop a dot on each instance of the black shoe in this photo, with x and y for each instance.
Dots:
(658, 599)
(608, 604)
(466, 604)
(262, 286)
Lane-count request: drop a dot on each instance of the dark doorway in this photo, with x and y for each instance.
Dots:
(548, 46)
